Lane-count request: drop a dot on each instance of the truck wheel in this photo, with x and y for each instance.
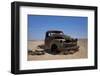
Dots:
(54, 48)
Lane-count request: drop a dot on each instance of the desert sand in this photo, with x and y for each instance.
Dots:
(82, 53)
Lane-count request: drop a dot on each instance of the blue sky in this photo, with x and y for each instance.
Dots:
(71, 25)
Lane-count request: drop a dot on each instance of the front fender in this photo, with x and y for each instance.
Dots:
(57, 43)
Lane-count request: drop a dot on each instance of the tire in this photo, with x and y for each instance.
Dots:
(54, 49)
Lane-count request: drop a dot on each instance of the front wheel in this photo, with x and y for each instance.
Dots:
(54, 49)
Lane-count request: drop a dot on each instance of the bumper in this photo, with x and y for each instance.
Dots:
(76, 48)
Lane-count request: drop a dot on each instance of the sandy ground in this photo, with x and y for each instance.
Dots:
(82, 53)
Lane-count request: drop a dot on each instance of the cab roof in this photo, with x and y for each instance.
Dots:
(54, 31)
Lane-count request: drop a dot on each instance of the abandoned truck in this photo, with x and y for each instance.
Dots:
(56, 41)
